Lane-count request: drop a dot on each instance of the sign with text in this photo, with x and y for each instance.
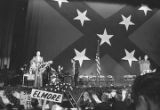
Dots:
(45, 95)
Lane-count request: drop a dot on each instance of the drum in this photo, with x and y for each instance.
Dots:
(68, 79)
(31, 77)
(54, 79)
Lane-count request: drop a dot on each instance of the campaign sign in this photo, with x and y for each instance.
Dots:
(45, 95)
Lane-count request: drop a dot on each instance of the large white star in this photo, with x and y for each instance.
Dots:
(105, 37)
(130, 57)
(145, 8)
(82, 17)
(80, 56)
(126, 21)
(60, 2)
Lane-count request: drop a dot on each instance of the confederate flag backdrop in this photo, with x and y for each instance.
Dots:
(66, 29)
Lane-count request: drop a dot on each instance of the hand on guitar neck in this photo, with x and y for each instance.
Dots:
(44, 65)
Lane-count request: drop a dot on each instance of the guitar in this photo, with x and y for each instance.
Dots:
(43, 66)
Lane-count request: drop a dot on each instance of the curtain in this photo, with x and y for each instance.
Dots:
(32, 28)
(7, 17)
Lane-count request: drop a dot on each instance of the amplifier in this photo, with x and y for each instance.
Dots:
(28, 80)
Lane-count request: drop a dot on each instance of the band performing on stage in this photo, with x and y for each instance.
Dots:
(79, 55)
(41, 72)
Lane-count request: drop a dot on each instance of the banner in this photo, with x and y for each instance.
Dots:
(45, 95)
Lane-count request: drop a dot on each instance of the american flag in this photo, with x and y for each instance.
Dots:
(98, 60)
(68, 28)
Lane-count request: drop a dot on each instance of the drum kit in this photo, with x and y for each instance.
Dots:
(54, 76)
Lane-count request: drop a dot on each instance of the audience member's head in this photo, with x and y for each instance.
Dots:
(34, 103)
(105, 97)
(86, 96)
(146, 92)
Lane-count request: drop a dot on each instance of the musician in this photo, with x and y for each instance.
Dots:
(60, 73)
(35, 64)
(144, 65)
(53, 75)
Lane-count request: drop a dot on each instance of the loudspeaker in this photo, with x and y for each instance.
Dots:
(28, 80)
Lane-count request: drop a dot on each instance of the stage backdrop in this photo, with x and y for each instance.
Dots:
(59, 33)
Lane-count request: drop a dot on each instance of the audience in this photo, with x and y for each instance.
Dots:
(145, 95)
(105, 104)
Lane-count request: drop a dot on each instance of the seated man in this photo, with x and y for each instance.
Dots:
(146, 92)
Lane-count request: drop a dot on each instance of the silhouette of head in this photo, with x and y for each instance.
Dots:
(146, 92)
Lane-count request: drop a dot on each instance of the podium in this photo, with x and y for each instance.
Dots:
(28, 80)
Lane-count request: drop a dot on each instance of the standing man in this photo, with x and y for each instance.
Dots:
(145, 65)
(35, 64)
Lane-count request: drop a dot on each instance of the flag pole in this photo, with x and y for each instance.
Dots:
(98, 63)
